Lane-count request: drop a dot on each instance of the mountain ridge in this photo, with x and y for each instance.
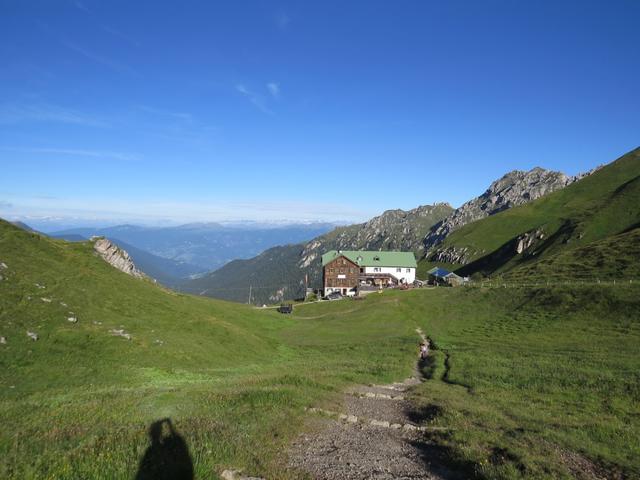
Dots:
(420, 230)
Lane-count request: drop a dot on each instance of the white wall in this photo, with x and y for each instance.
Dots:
(408, 276)
(350, 291)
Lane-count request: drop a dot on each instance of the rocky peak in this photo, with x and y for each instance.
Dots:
(115, 256)
(515, 188)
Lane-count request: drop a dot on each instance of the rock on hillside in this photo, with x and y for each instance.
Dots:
(115, 256)
(513, 189)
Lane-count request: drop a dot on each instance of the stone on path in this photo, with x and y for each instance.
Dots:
(3, 340)
(32, 335)
(45, 300)
(72, 319)
(380, 423)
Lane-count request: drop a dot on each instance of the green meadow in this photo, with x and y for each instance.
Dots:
(524, 383)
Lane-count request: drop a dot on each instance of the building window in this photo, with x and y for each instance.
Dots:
(342, 270)
(408, 270)
(376, 269)
(331, 270)
(351, 270)
(398, 270)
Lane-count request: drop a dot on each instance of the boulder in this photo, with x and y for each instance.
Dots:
(32, 335)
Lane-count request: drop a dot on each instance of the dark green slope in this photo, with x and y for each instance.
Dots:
(268, 278)
(603, 204)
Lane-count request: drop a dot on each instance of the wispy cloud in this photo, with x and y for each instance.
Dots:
(187, 117)
(282, 20)
(47, 113)
(104, 61)
(274, 89)
(258, 100)
(120, 35)
(126, 157)
(4, 204)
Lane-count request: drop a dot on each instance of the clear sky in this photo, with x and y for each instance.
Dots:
(326, 110)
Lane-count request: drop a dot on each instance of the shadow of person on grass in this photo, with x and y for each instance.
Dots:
(167, 458)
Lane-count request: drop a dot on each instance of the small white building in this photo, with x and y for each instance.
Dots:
(347, 271)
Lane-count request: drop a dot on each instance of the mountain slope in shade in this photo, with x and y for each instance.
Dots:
(166, 271)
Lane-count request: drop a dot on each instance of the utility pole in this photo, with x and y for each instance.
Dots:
(249, 295)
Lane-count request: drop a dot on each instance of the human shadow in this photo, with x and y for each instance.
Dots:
(167, 458)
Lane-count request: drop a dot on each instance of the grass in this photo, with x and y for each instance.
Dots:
(77, 402)
(529, 383)
(535, 381)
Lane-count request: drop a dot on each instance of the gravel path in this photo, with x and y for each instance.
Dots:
(372, 438)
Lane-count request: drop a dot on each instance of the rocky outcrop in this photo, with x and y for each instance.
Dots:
(115, 256)
(452, 255)
(525, 241)
(513, 189)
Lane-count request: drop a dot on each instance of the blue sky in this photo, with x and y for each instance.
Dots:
(183, 111)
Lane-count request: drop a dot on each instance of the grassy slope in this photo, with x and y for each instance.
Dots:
(272, 270)
(613, 258)
(535, 379)
(540, 382)
(602, 204)
(76, 403)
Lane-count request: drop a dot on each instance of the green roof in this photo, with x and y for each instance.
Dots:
(365, 258)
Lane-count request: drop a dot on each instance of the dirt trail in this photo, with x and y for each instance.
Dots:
(374, 437)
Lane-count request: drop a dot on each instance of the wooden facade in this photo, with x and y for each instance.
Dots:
(341, 275)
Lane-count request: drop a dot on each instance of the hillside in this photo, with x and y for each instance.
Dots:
(279, 273)
(112, 353)
(602, 204)
(511, 190)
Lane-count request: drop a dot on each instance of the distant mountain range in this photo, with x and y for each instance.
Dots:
(173, 254)
(437, 234)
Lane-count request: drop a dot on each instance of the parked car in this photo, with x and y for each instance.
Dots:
(285, 308)
(334, 296)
